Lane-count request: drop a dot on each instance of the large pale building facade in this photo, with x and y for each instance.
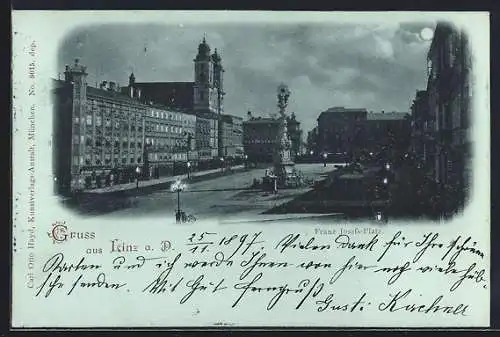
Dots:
(108, 135)
(98, 134)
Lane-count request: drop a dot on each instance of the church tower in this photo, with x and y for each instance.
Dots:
(205, 89)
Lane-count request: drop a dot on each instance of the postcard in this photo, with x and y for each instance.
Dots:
(250, 169)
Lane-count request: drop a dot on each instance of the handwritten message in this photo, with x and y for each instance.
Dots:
(294, 270)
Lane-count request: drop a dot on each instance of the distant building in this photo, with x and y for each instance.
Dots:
(340, 130)
(450, 95)
(99, 133)
(232, 136)
(207, 136)
(170, 139)
(260, 137)
(312, 141)
(388, 132)
(295, 134)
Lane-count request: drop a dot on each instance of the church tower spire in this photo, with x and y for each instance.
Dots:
(205, 93)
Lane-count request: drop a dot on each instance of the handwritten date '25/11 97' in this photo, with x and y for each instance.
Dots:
(254, 265)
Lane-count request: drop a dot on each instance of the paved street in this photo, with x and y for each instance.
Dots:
(229, 196)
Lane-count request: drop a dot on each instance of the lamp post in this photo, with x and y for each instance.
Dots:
(325, 155)
(222, 164)
(137, 174)
(178, 187)
(188, 169)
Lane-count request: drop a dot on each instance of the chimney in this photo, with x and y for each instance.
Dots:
(67, 74)
(112, 86)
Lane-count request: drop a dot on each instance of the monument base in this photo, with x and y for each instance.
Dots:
(286, 174)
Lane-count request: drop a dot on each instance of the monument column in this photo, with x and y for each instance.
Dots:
(282, 158)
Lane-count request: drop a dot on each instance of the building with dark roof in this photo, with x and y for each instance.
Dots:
(388, 132)
(103, 136)
(295, 133)
(260, 138)
(177, 95)
(340, 130)
(203, 97)
(98, 133)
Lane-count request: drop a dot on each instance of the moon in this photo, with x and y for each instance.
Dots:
(426, 34)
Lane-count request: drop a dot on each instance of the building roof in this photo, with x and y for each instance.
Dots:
(170, 108)
(92, 91)
(173, 94)
(119, 96)
(207, 115)
(342, 109)
(333, 110)
(387, 116)
(261, 120)
(56, 84)
(230, 118)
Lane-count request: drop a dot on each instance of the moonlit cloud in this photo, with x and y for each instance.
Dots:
(377, 67)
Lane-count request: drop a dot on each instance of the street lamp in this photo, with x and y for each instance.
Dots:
(137, 172)
(222, 163)
(178, 187)
(189, 138)
(385, 181)
(325, 155)
(387, 166)
(188, 168)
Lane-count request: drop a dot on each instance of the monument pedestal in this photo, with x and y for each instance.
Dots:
(284, 167)
(285, 173)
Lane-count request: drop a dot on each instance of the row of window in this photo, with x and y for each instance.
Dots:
(166, 141)
(106, 142)
(123, 112)
(89, 120)
(87, 160)
(259, 141)
(150, 127)
(166, 156)
(172, 117)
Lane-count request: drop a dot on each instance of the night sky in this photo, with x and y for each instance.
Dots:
(375, 66)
